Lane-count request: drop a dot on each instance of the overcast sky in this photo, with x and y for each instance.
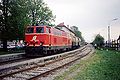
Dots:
(91, 16)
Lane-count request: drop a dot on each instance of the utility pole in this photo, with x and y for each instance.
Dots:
(109, 29)
(109, 34)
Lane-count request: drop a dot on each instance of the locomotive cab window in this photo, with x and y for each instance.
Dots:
(30, 30)
(47, 30)
(39, 30)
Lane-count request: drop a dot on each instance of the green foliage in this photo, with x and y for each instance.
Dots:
(78, 33)
(99, 40)
(14, 19)
(39, 13)
(18, 19)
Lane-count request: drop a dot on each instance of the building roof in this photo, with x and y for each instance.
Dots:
(62, 25)
(118, 38)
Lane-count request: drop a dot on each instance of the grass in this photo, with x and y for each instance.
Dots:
(103, 65)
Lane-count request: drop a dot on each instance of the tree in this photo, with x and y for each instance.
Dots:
(4, 21)
(18, 19)
(15, 15)
(13, 19)
(99, 40)
(77, 32)
(39, 13)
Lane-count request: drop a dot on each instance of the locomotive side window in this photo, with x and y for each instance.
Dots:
(30, 30)
(47, 30)
(39, 30)
(57, 32)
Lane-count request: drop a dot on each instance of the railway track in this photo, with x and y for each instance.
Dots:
(34, 71)
(5, 66)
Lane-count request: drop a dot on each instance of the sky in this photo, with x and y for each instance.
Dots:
(92, 17)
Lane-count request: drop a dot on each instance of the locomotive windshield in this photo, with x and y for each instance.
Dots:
(39, 30)
(30, 30)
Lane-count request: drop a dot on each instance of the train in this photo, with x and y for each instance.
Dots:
(47, 40)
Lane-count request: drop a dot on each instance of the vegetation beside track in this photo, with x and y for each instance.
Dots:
(103, 65)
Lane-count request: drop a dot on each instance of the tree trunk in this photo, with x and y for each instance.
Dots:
(4, 45)
(33, 15)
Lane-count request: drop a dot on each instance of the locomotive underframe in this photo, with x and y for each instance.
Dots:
(44, 50)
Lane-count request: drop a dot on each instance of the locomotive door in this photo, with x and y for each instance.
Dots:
(49, 36)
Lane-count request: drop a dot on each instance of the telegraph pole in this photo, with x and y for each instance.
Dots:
(109, 29)
(108, 34)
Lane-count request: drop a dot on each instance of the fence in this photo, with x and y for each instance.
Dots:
(114, 44)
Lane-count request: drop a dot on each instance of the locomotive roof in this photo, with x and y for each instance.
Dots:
(38, 26)
(46, 26)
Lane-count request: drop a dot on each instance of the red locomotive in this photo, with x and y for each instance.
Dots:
(42, 40)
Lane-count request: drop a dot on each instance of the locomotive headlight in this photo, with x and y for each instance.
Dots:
(41, 43)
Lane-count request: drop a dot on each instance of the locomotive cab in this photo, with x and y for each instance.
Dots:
(32, 34)
(37, 39)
